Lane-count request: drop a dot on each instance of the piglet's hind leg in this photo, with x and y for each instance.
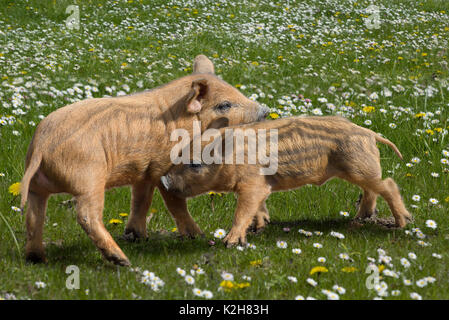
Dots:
(90, 217)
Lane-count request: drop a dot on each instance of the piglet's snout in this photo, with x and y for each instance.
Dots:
(166, 182)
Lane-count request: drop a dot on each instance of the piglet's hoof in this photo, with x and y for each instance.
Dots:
(190, 231)
(117, 259)
(132, 235)
(231, 241)
(35, 257)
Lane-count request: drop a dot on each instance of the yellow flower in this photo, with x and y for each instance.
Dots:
(447, 199)
(227, 285)
(274, 115)
(318, 269)
(153, 210)
(420, 115)
(368, 109)
(381, 268)
(242, 285)
(430, 131)
(14, 189)
(123, 214)
(115, 221)
(256, 263)
(174, 229)
(349, 269)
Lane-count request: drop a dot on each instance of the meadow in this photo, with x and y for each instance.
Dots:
(317, 57)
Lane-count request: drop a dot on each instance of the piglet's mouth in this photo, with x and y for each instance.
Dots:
(166, 182)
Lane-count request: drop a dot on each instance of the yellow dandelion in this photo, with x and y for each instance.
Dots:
(123, 214)
(420, 115)
(174, 229)
(227, 285)
(115, 221)
(242, 285)
(274, 115)
(318, 269)
(368, 109)
(349, 269)
(256, 263)
(14, 189)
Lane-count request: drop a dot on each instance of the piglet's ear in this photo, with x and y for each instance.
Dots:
(197, 93)
(202, 64)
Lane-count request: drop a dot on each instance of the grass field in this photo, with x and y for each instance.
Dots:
(297, 57)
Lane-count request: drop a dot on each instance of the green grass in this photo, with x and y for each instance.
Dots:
(318, 49)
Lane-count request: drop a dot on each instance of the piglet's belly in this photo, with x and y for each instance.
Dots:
(279, 183)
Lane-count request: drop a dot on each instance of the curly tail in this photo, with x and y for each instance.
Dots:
(388, 143)
(34, 164)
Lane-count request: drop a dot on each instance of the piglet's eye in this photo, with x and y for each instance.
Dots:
(224, 106)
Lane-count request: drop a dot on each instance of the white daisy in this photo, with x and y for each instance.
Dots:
(220, 233)
(181, 272)
(405, 263)
(311, 282)
(321, 259)
(281, 244)
(431, 224)
(412, 255)
(227, 276)
(415, 296)
(189, 279)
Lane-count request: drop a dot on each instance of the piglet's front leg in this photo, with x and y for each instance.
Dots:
(250, 199)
